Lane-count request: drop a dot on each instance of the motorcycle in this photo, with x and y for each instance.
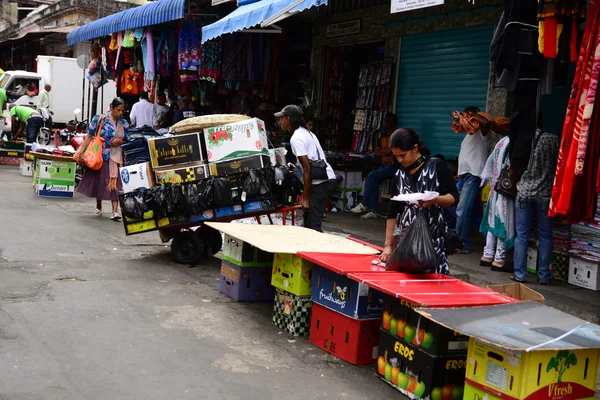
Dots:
(44, 134)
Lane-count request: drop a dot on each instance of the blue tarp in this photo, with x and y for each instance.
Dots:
(253, 14)
(138, 17)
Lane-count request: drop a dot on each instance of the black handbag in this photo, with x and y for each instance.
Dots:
(318, 168)
(507, 183)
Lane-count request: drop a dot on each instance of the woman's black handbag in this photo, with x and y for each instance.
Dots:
(507, 183)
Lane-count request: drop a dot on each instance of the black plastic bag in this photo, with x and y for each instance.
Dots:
(175, 198)
(205, 194)
(134, 205)
(221, 191)
(253, 185)
(150, 198)
(189, 203)
(162, 199)
(414, 252)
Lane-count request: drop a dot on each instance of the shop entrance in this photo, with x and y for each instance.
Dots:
(439, 73)
(341, 84)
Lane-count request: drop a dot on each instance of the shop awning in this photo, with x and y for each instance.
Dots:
(263, 12)
(138, 17)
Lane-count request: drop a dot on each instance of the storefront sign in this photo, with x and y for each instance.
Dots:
(343, 28)
(408, 5)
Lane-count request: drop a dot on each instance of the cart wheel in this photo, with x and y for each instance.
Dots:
(213, 241)
(187, 248)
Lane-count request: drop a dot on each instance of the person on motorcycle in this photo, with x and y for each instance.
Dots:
(25, 117)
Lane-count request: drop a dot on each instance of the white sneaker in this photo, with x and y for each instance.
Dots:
(359, 209)
(98, 213)
(369, 215)
(115, 217)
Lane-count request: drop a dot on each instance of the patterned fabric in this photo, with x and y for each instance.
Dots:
(538, 179)
(189, 46)
(427, 181)
(211, 60)
(574, 144)
(499, 214)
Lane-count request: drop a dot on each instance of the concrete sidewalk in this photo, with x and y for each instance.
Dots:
(571, 299)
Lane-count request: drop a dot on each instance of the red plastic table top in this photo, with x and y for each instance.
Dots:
(433, 290)
(345, 264)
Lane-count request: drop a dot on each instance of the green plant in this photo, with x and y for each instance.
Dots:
(562, 362)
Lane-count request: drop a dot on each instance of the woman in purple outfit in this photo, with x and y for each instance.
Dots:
(105, 183)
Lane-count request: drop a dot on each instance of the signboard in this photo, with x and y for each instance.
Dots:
(408, 5)
(343, 28)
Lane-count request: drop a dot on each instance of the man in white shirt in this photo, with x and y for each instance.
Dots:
(142, 112)
(306, 148)
(160, 111)
(44, 99)
(474, 151)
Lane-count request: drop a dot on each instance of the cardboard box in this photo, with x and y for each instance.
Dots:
(183, 220)
(418, 374)
(401, 321)
(180, 149)
(239, 165)
(277, 156)
(584, 273)
(351, 181)
(244, 254)
(246, 284)
(541, 374)
(292, 313)
(532, 260)
(139, 227)
(292, 274)
(228, 211)
(236, 140)
(5, 153)
(137, 176)
(183, 173)
(147, 215)
(25, 167)
(64, 190)
(258, 205)
(344, 295)
(63, 170)
(352, 340)
(518, 291)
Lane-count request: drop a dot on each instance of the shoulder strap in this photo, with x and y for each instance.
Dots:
(313, 138)
(100, 124)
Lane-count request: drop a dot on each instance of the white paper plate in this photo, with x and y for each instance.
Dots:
(416, 197)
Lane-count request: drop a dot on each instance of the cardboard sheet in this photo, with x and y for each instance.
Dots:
(291, 239)
(519, 326)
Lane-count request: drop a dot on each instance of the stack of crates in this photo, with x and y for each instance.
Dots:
(245, 272)
(292, 278)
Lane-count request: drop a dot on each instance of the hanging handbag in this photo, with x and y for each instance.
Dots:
(507, 182)
(92, 155)
(318, 168)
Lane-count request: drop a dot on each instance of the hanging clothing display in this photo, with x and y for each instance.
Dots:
(579, 144)
(148, 55)
(189, 46)
(558, 17)
(128, 39)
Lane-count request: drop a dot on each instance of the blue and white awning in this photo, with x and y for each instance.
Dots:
(263, 12)
(138, 17)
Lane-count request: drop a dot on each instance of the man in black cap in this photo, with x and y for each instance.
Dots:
(308, 150)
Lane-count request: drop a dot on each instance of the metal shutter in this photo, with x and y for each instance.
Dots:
(439, 73)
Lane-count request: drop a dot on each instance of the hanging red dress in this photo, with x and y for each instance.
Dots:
(577, 168)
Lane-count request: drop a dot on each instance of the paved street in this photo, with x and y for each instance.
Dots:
(88, 313)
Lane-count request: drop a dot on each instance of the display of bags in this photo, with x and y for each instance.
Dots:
(134, 205)
(414, 252)
(221, 191)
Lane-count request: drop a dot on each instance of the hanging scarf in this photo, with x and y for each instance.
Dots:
(499, 214)
(578, 117)
(116, 156)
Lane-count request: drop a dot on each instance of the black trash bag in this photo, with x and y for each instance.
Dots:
(221, 191)
(150, 198)
(173, 204)
(162, 200)
(414, 252)
(134, 205)
(251, 188)
(189, 203)
(205, 194)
